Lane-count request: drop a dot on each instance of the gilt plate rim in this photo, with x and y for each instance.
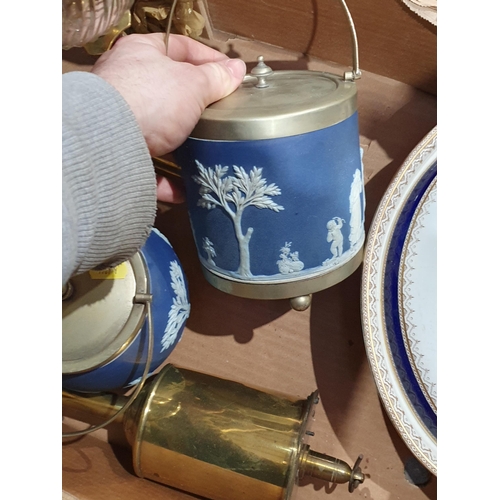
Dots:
(418, 434)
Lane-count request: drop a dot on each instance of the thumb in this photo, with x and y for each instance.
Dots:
(222, 78)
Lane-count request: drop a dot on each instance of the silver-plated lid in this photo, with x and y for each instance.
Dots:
(100, 317)
(272, 104)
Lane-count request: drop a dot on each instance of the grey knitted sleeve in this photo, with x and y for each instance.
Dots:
(108, 179)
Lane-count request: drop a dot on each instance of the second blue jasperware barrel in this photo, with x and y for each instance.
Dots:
(110, 318)
(274, 184)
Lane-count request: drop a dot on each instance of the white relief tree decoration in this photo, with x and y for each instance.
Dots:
(233, 195)
(209, 249)
(180, 308)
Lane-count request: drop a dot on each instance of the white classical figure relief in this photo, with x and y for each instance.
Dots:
(180, 308)
(356, 203)
(335, 236)
(289, 261)
(233, 194)
(209, 249)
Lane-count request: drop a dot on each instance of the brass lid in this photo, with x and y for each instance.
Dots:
(271, 104)
(100, 318)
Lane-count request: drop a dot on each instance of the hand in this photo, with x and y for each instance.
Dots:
(168, 94)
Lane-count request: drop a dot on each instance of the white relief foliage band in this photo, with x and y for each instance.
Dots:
(180, 308)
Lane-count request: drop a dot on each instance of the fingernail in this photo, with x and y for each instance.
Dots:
(237, 67)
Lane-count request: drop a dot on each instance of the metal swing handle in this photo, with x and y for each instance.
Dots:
(262, 70)
(106, 42)
(355, 74)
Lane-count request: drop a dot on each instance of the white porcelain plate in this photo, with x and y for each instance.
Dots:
(399, 299)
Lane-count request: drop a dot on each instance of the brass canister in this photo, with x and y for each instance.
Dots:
(218, 438)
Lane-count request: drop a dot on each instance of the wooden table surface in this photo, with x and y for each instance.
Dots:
(266, 344)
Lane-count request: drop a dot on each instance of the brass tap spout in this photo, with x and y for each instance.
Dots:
(330, 469)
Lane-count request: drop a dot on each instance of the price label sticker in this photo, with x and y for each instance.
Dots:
(112, 273)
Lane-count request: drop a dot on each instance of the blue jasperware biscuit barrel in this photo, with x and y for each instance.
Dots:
(274, 184)
(107, 324)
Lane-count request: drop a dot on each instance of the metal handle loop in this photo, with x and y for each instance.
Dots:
(169, 24)
(355, 74)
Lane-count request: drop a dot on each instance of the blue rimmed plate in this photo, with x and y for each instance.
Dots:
(399, 301)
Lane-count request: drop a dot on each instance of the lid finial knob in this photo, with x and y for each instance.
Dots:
(261, 71)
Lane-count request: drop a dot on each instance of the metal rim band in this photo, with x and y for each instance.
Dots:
(267, 291)
(129, 332)
(280, 120)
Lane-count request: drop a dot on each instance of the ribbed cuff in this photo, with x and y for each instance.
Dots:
(109, 184)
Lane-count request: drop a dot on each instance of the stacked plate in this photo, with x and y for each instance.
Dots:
(399, 301)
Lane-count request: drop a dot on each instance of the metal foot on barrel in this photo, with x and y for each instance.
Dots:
(301, 303)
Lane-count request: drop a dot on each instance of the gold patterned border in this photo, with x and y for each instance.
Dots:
(417, 438)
